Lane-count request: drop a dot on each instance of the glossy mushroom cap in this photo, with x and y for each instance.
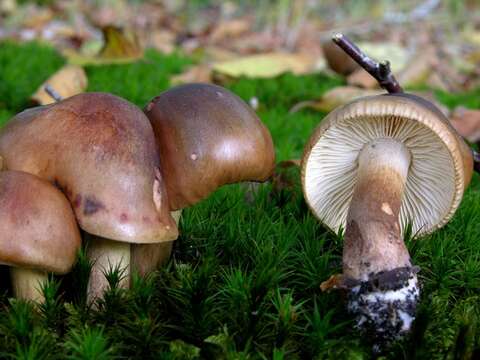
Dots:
(207, 137)
(100, 150)
(37, 227)
(440, 168)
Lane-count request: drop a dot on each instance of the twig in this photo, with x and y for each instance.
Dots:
(380, 71)
(53, 93)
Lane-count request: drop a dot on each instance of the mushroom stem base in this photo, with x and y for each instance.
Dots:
(107, 256)
(27, 283)
(385, 305)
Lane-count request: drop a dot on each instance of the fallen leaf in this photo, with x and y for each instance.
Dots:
(163, 41)
(199, 73)
(336, 97)
(267, 65)
(334, 282)
(363, 79)
(226, 30)
(467, 123)
(419, 69)
(68, 81)
(120, 46)
(7, 7)
(37, 17)
(395, 54)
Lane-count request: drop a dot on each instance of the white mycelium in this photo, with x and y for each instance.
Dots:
(389, 312)
(331, 170)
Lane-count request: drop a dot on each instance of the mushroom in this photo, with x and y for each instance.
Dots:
(38, 232)
(207, 137)
(100, 151)
(372, 167)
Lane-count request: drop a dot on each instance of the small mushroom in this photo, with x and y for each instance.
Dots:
(100, 151)
(207, 137)
(372, 167)
(38, 232)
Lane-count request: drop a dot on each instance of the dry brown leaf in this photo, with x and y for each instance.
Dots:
(199, 73)
(362, 79)
(162, 40)
(68, 81)
(334, 282)
(419, 68)
(226, 30)
(37, 17)
(336, 97)
(467, 123)
(120, 46)
(213, 54)
(267, 65)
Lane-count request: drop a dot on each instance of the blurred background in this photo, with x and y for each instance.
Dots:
(433, 45)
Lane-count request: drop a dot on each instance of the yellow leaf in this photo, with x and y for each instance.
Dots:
(68, 81)
(120, 46)
(268, 65)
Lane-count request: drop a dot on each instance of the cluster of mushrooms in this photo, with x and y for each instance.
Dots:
(97, 163)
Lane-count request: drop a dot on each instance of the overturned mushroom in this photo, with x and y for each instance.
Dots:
(372, 167)
(207, 137)
(38, 232)
(100, 150)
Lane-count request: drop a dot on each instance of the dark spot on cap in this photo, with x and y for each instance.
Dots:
(77, 201)
(92, 205)
(123, 217)
(146, 219)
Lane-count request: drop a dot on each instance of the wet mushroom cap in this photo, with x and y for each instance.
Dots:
(100, 151)
(207, 137)
(37, 227)
(439, 171)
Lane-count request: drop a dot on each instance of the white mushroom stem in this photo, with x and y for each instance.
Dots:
(373, 240)
(375, 256)
(27, 283)
(148, 257)
(106, 255)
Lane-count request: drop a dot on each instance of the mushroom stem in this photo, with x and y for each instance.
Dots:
(27, 283)
(375, 258)
(148, 257)
(106, 255)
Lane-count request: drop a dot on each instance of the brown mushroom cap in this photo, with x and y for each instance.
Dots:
(440, 169)
(37, 227)
(207, 137)
(100, 150)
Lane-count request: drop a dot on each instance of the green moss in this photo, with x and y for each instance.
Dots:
(139, 81)
(5, 115)
(245, 273)
(23, 68)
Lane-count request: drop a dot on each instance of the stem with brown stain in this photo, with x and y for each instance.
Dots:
(373, 240)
